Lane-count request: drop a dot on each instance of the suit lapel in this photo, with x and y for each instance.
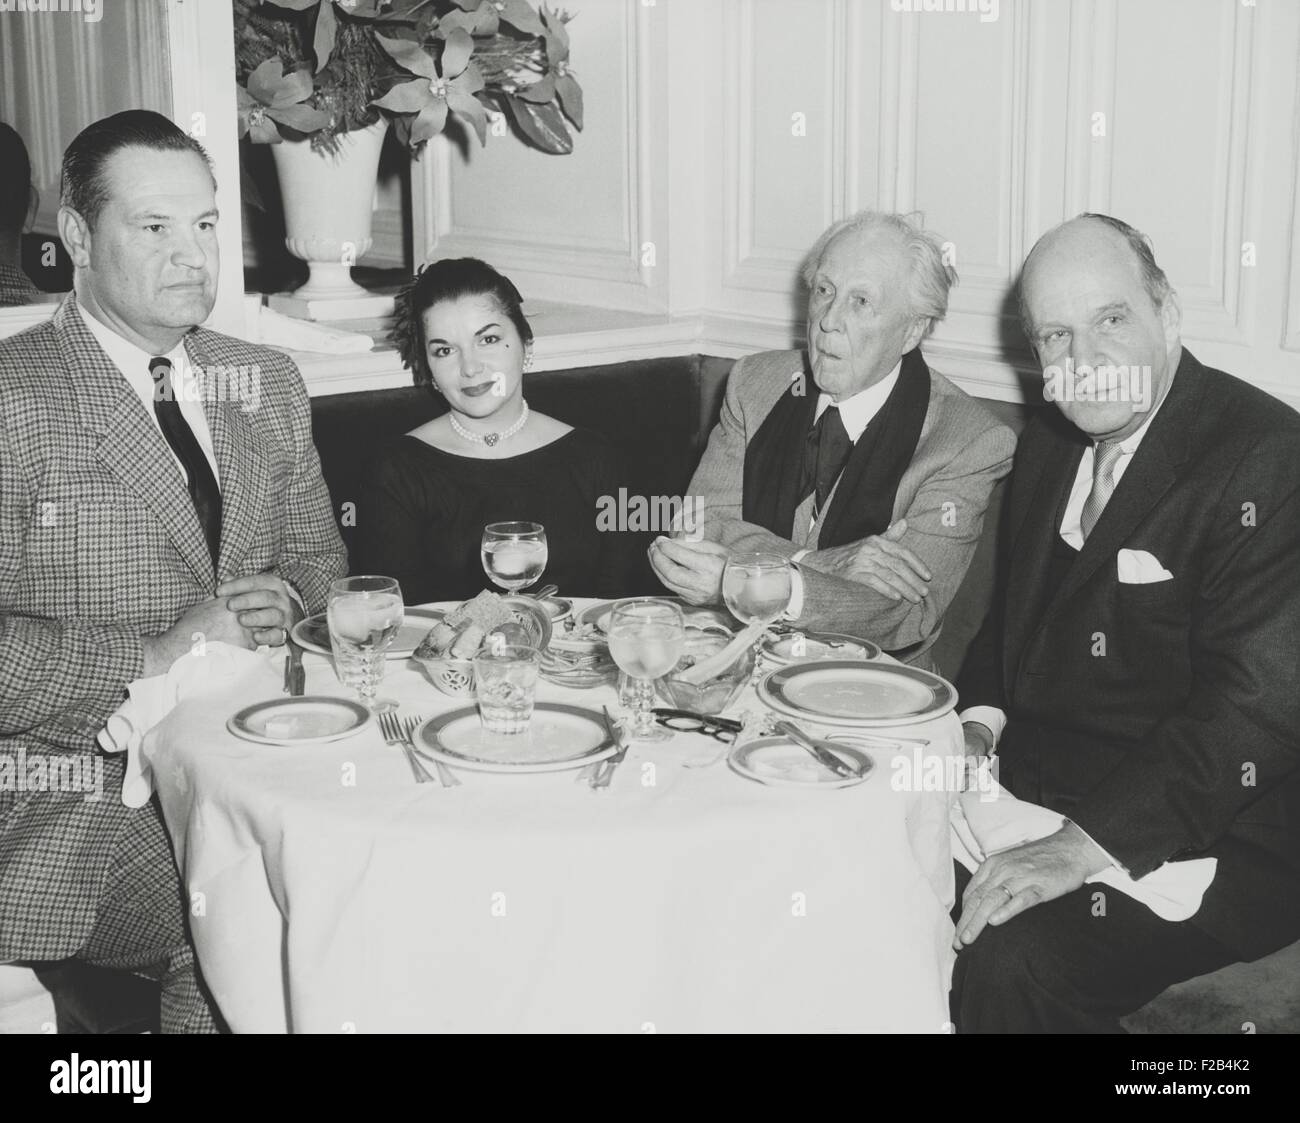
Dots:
(1031, 545)
(242, 463)
(1151, 473)
(130, 445)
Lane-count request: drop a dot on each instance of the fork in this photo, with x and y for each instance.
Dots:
(394, 735)
(445, 775)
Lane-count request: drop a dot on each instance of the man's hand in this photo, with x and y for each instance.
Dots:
(1013, 880)
(264, 606)
(209, 621)
(978, 737)
(878, 561)
(693, 570)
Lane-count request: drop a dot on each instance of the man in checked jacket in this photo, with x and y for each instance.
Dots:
(158, 483)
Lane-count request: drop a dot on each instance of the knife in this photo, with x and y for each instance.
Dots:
(606, 773)
(295, 677)
(827, 759)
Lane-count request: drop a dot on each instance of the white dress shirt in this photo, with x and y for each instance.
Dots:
(134, 365)
(856, 412)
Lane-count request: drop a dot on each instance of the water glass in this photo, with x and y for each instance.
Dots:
(514, 554)
(646, 636)
(364, 615)
(757, 587)
(505, 684)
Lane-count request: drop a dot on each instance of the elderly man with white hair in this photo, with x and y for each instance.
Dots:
(855, 460)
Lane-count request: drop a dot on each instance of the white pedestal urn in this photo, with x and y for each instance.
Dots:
(328, 203)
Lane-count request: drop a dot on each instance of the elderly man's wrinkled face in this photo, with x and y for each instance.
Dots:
(149, 266)
(860, 319)
(1106, 351)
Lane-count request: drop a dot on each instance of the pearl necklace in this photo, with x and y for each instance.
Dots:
(489, 439)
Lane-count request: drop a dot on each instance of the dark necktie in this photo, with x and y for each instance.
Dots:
(828, 450)
(201, 482)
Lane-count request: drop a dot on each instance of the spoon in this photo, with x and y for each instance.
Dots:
(544, 592)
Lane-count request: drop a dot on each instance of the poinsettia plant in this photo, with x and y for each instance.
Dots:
(321, 68)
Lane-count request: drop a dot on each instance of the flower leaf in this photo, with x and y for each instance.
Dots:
(263, 131)
(326, 32)
(555, 30)
(406, 97)
(430, 122)
(519, 14)
(301, 117)
(542, 125)
(468, 107)
(409, 56)
(456, 52)
(539, 92)
(264, 83)
(570, 93)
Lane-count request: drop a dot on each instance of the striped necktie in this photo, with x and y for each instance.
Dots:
(1105, 456)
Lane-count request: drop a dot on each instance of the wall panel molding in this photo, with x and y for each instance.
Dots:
(613, 272)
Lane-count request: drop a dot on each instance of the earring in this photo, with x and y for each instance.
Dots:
(528, 361)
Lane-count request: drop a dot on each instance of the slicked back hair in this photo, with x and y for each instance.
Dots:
(84, 185)
(930, 278)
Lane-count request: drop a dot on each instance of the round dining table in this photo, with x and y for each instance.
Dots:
(331, 893)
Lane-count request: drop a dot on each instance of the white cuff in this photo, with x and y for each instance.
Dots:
(988, 716)
(796, 595)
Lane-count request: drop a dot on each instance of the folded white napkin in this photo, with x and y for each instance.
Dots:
(149, 700)
(987, 818)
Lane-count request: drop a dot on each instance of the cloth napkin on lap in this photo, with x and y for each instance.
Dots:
(988, 818)
(149, 700)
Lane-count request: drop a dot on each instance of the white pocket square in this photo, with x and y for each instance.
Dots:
(1137, 567)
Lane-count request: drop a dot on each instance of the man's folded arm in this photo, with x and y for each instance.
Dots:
(944, 522)
(64, 679)
(1239, 733)
(313, 554)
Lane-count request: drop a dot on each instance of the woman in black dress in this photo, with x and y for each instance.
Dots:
(461, 331)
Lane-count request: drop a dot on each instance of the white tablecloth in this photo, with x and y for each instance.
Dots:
(331, 893)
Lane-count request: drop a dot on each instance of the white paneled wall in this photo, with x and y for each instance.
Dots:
(728, 133)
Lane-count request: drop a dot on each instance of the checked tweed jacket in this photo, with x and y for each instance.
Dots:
(100, 546)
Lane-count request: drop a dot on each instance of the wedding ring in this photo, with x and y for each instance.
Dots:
(1010, 895)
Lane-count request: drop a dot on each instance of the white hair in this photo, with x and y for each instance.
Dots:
(931, 276)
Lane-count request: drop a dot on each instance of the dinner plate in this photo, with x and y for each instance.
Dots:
(781, 763)
(801, 647)
(853, 692)
(558, 738)
(598, 615)
(309, 720)
(313, 633)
